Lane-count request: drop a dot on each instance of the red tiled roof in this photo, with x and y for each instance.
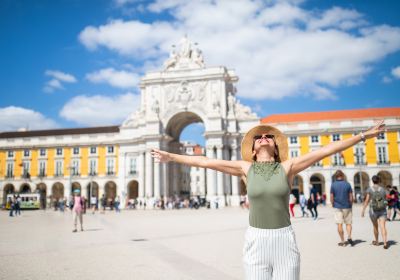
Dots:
(333, 115)
(56, 132)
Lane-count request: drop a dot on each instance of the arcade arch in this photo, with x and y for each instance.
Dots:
(318, 181)
(8, 189)
(386, 178)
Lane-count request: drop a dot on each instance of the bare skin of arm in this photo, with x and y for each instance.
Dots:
(233, 167)
(296, 165)
(292, 166)
(367, 198)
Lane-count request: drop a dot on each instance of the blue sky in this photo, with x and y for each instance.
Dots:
(70, 63)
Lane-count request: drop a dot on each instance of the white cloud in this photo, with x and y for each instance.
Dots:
(386, 80)
(100, 110)
(58, 77)
(277, 48)
(13, 118)
(119, 79)
(396, 72)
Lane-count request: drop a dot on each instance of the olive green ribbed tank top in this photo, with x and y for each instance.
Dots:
(268, 192)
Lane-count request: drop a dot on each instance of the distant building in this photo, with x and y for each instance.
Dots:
(311, 130)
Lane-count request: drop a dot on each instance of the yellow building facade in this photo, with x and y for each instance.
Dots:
(377, 156)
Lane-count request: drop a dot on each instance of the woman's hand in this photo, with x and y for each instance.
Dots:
(374, 131)
(160, 156)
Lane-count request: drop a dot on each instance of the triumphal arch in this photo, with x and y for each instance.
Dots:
(185, 91)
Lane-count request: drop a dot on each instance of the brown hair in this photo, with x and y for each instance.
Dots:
(339, 174)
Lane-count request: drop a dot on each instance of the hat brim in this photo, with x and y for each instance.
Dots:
(280, 140)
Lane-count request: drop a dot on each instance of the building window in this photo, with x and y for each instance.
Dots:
(10, 170)
(381, 136)
(359, 156)
(93, 150)
(110, 149)
(314, 139)
(335, 137)
(26, 153)
(75, 151)
(293, 139)
(59, 168)
(382, 155)
(132, 166)
(110, 166)
(42, 152)
(294, 153)
(75, 168)
(42, 168)
(59, 151)
(25, 169)
(338, 159)
(10, 154)
(92, 167)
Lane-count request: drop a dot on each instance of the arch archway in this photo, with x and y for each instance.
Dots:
(8, 189)
(318, 181)
(361, 182)
(57, 191)
(92, 190)
(297, 186)
(110, 190)
(25, 188)
(386, 178)
(133, 189)
(181, 178)
(42, 190)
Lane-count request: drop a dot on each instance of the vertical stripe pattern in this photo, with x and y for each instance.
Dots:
(271, 254)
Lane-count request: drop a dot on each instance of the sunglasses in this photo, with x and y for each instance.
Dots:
(265, 136)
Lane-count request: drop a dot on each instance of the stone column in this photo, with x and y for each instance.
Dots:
(235, 179)
(220, 175)
(211, 190)
(141, 171)
(157, 177)
(149, 175)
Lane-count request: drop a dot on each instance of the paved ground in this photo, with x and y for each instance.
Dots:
(179, 244)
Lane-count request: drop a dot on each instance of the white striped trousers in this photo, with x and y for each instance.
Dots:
(271, 254)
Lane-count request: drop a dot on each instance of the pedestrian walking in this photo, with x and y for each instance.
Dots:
(103, 204)
(314, 195)
(10, 203)
(390, 197)
(303, 204)
(292, 203)
(93, 203)
(270, 250)
(117, 203)
(377, 210)
(77, 210)
(18, 202)
(396, 202)
(342, 202)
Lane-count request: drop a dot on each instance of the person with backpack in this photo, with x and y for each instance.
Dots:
(376, 198)
(77, 209)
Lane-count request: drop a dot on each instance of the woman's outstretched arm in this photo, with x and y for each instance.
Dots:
(300, 163)
(232, 167)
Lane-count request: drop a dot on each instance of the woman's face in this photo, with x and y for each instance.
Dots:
(266, 141)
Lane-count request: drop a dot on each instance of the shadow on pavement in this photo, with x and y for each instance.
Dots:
(358, 241)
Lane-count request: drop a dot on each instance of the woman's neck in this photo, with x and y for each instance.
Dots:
(264, 156)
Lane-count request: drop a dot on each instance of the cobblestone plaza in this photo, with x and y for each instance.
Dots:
(178, 244)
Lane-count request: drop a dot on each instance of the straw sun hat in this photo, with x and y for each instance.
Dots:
(280, 140)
